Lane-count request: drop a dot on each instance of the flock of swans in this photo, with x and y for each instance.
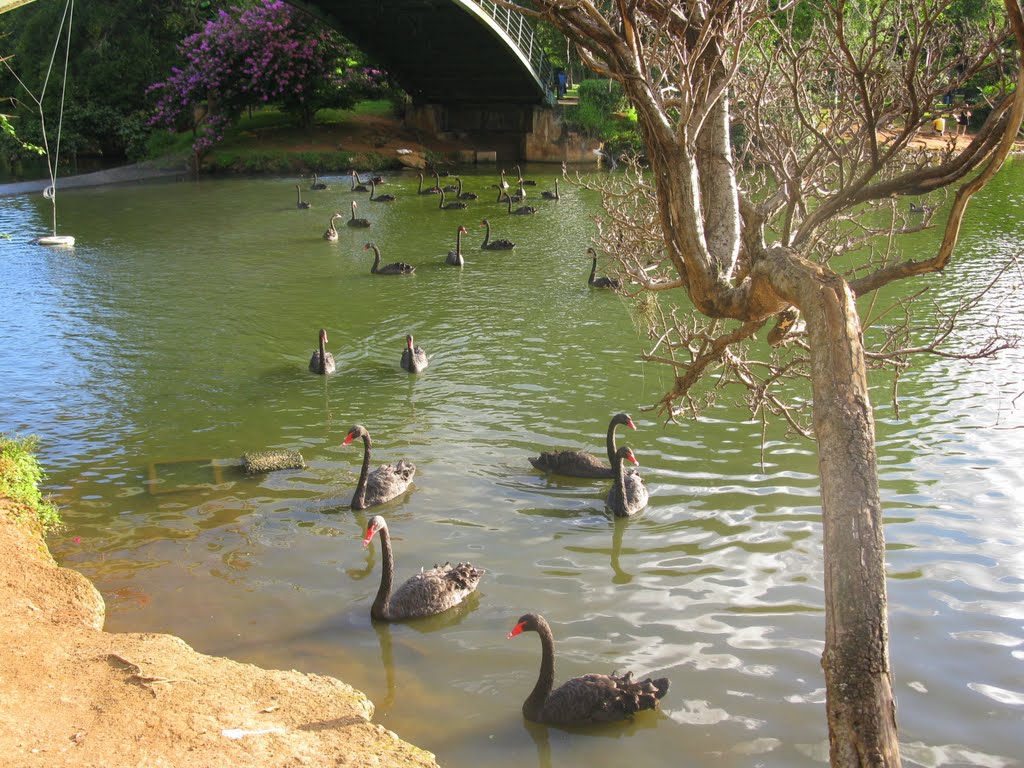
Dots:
(592, 698)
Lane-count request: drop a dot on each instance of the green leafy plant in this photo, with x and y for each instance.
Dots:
(604, 114)
(21, 476)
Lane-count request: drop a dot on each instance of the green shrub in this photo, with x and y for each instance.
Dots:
(21, 476)
(603, 113)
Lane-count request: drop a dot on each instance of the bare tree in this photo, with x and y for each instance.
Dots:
(780, 169)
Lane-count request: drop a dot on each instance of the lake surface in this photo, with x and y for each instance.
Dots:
(176, 336)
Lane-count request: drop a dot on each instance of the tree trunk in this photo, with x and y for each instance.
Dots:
(858, 680)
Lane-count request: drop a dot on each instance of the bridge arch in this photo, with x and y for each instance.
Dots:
(473, 69)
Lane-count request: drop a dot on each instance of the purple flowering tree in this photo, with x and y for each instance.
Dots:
(263, 55)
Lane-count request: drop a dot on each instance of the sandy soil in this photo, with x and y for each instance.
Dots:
(73, 695)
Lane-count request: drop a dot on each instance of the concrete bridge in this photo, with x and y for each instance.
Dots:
(474, 70)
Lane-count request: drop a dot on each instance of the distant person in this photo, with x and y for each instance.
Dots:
(939, 125)
(963, 122)
(562, 79)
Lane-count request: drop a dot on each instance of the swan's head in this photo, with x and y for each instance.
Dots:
(376, 523)
(353, 205)
(463, 230)
(408, 340)
(624, 418)
(528, 622)
(357, 431)
(369, 245)
(626, 453)
(323, 335)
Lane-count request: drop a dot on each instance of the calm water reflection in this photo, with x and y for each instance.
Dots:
(176, 336)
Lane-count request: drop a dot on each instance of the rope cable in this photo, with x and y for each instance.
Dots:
(51, 192)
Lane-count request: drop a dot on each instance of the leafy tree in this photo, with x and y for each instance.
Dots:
(250, 57)
(117, 48)
(779, 140)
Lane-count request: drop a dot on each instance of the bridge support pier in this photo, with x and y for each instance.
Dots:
(516, 132)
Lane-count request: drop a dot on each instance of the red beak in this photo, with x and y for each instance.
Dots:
(516, 630)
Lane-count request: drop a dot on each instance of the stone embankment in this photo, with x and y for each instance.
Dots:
(75, 696)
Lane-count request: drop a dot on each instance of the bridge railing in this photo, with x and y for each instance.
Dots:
(519, 30)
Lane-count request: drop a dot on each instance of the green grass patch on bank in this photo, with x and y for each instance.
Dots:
(270, 141)
(21, 476)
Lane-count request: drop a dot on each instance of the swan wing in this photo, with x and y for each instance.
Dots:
(571, 463)
(602, 698)
(433, 591)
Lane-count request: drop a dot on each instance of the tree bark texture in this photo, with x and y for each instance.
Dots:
(858, 678)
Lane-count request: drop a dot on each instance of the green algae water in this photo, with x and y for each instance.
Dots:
(176, 336)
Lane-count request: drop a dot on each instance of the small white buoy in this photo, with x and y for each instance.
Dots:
(56, 240)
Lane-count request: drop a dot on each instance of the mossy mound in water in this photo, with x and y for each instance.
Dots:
(255, 462)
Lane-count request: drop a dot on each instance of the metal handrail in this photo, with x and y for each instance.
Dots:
(519, 30)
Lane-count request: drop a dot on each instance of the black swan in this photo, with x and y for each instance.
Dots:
(446, 187)
(520, 194)
(494, 245)
(628, 494)
(354, 222)
(299, 202)
(414, 359)
(549, 195)
(385, 482)
(322, 361)
(357, 186)
(332, 233)
(463, 195)
(601, 282)
(502, 185)
(522, 181)
(318, 185)
(581, 463)
(456, 206)
(523, 210)
(455, 257)
(427, 593)
(379, 198)
(587, 699)
(421, 191)
(395, 268)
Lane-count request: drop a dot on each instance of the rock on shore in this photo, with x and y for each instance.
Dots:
(76, 696)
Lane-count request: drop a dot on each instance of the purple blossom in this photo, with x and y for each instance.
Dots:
(269, 53)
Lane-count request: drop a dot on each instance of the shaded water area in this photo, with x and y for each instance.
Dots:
(176, 335)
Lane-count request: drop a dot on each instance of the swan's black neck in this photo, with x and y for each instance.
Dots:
(593, 269)
(534, 703)
(323, 355)
(359, 497)
(610, 440)
(619, 468)
(376, 258)
(379, 609)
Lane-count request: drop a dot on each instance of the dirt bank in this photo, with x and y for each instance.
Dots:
(73, 695)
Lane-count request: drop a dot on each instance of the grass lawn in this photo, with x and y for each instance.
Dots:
(269, 141)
